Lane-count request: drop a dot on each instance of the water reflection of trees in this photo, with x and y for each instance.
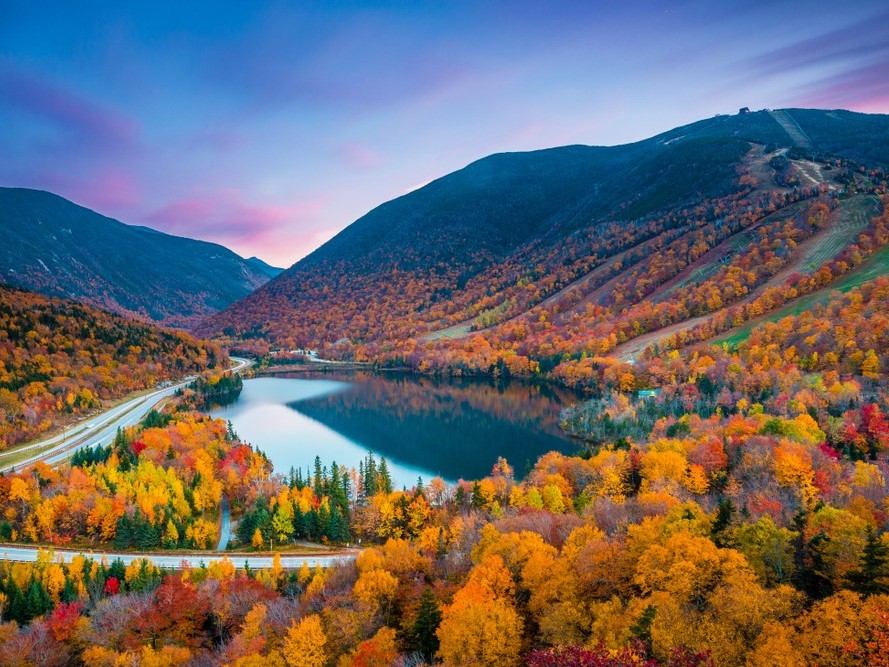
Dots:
(454, 427)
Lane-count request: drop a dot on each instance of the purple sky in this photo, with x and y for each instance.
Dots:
(270, 127)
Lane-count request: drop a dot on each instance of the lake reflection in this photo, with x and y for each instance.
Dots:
(424, 427)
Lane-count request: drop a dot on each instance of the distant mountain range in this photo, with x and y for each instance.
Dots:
(486, 245)
(53, 246)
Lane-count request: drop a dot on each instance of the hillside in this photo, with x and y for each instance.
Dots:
(51, 245)
(560, 255)
(59, 359)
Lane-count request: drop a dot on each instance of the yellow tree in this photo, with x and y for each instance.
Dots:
(481, 627)
(304, 644)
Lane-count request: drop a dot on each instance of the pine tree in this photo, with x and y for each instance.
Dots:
(16, 602)
(478, 500)
(422, 635)
(725, 512)
(872, 575)
(318, 481)
(641, 630)
(385, 477)
(37, 600)
(370, 476)
(337, 528)
(346, 484)
(338, 497)
(123, 534)
(117, 570)
(812, 574)
(299, 522)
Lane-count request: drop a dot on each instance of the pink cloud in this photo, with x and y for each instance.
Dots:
(82, 124)
(865, 89)
(223, 217)
(359, 155)
(112, 189)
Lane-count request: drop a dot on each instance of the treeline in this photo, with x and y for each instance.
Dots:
(212, 389)
(316, 506)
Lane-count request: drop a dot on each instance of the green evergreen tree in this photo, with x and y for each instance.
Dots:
(812, 574)
(318, 481)
(337, 529)
(385, 477)
(871, 577)
(37, 600)
(123, 534)
(371, 485)
(725, 512)
(478, 500)
(422, 635)
(16, 598)
(117, 570)
(338, 497)
(69, 592)
(641, 630)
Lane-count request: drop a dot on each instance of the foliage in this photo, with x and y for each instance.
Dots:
(59, 359)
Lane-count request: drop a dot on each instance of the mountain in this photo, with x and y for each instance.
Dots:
(53, 246)
(261, 267)
(563, 253)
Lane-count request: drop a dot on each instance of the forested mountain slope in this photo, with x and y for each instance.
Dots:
(560, 255)
(53, 246)
(59, 359)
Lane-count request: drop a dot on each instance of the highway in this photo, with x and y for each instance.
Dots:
(172, 561)
(101, 429)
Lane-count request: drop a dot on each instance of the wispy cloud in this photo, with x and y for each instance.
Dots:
(841, 66)
(76, 122)
(359, 155)
(228, 217)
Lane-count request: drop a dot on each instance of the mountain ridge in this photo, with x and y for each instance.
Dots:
(52, 245)
(468, 244)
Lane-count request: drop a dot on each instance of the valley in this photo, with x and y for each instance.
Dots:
(622, 404)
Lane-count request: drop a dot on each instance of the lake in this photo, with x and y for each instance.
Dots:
(429, 427)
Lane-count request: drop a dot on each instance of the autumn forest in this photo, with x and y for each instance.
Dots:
(717, 297)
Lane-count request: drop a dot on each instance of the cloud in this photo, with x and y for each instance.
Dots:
(358, 155)
(844, 66)
(863, 40)
(866, 88)
(77, 123)
(223, 217)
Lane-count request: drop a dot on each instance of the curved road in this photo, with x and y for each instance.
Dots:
(100, 430)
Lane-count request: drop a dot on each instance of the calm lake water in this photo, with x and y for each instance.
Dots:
(424, 427)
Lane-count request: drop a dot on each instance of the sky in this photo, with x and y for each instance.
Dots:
(269, 127)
